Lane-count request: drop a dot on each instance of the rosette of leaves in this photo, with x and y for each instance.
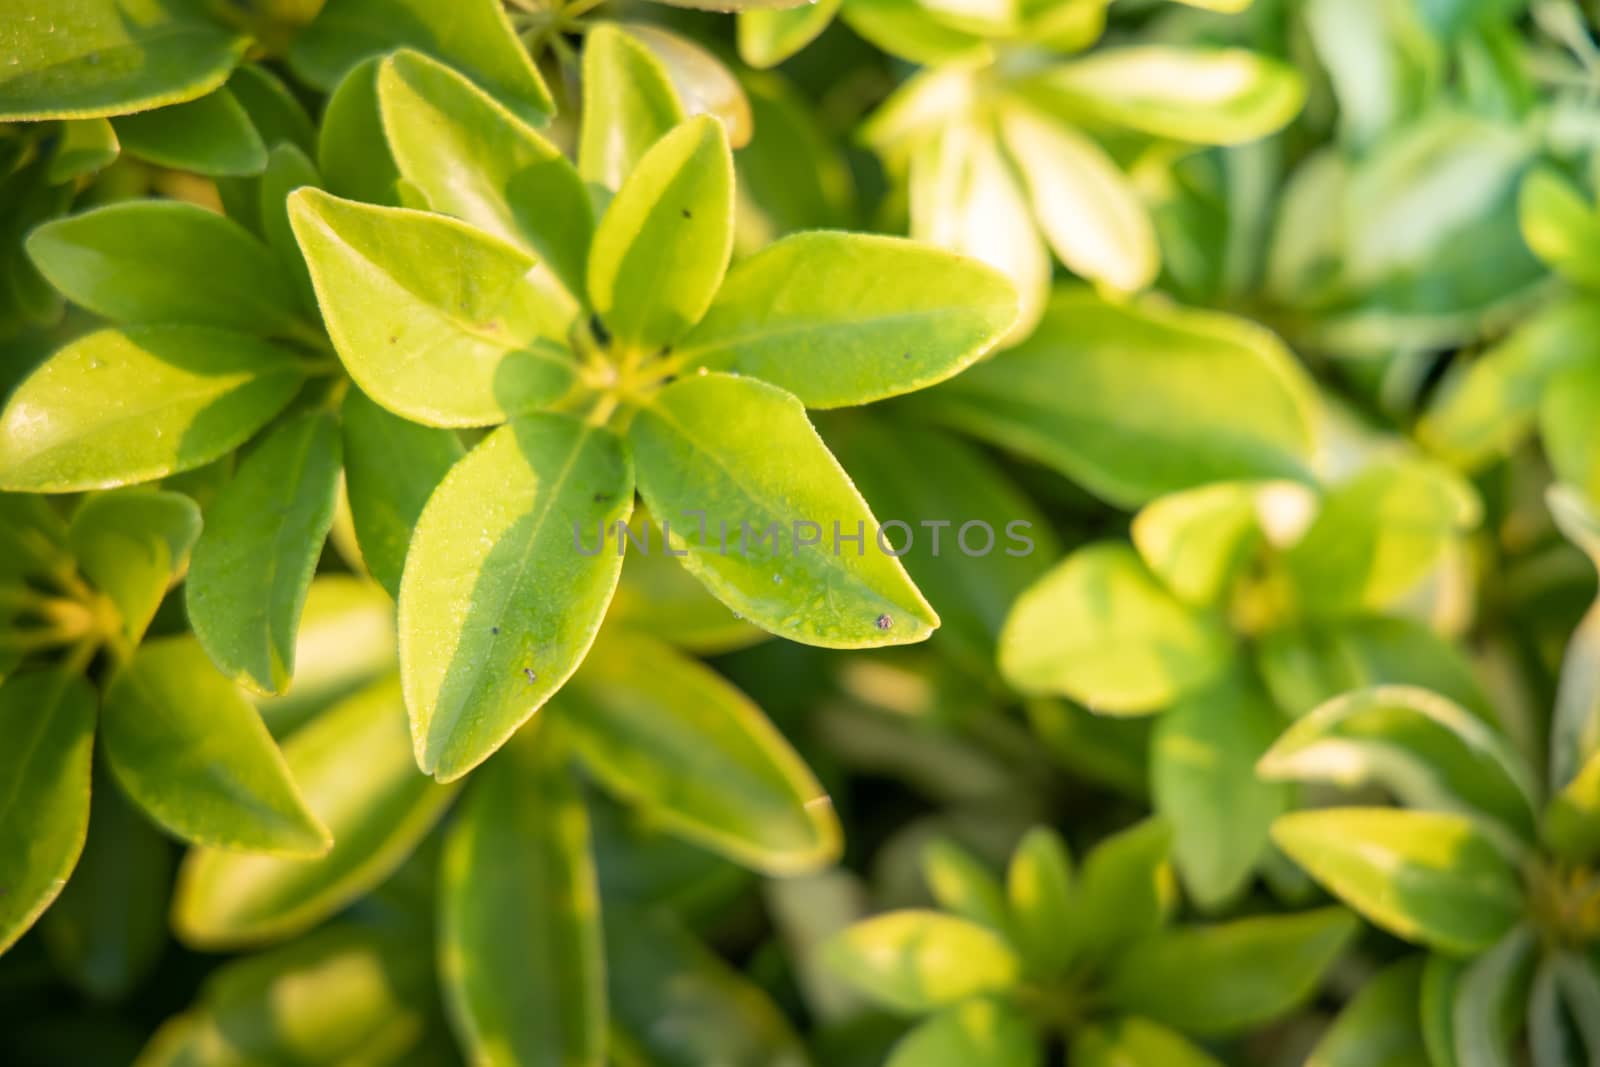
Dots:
(1090, 959)
(1010, 144)
(1238, 606)
(1489, 864)
(1400, 237)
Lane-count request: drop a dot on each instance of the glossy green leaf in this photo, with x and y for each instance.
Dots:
(475, 36)
(1132, 1042)
(907, 29)
(1100, 628)
(1040, 893)
(225, 900)
(166, 261)
(500, 600)
(87, 146)
(767, 38)
(48, 718)
(474, 159)
(520, 954)
(108, 927)
(630, 104)
(701, 81)
(391, 467)
(662, 246)
(1125, 892)
(977, 1033)
(1377, 536)
(192, 753)
(132, 545)
(1219, 399)
(123, 406)
(1089, 211)
(1379, 1027)
(1202, 777)
(254, 560)
(1230, 976)
(212, 136)
(840, 319)
(964, 885)
(346, 640)
(1561, 226)
(920, 961)
(1429, 877)
(658, 971)
(1198, 541)
(102, 57)
(352, 993)
(741, 455)
(460, 346)
(1423, 748)
(1209, 96)
(696, 757)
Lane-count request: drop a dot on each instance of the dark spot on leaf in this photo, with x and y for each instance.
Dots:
(600, 498)
(688, 214)
(393, 339)
(884, 622)
(598, 328)
(494, 629)
(527, 672)
(905, 355)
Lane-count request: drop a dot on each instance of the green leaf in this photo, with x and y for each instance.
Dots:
(274, 110)
(1380, 1025)
(1429, 752)
(346, 640)
(475, 36)
(461, 346)
(1570, 825)
(108, 927)
(702, 82)
(1441, 976)
(1040, 892)
(630, 105)
(1126, 891)
(391, 467)
(109, 58)
(963, 885)
(225, 900)
(1198, 541)
(86, 147)
(840, 319)
(47, 718)
(907, 29)
(1430, 877)
(1231, 976)
(656, 596)
(1561, 226)
(1202, 777)
(131, 405)
(767, 38)
(919, 961)
(1377, 536)
(254, 560)
(1567, 432)
(167, 261)
(520, 950)
(1089, 210)
(1489, 995)
(1134, 1042)
(132, 545)
(977, 1033)
(211, 135)
(740, 454)
(500, 602)
(1219, 399)
(352, 152)
(288, 169)
(474, 159)
(1222, 96)
(662, 246)
(1099, 628)
(658, 971)
(350, 993)
(1484, 409)
(193, 754)
(696, 757)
